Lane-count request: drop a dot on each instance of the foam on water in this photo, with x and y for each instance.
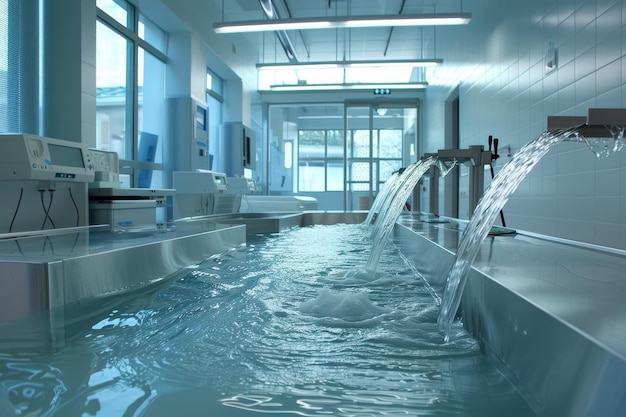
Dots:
(353, 308)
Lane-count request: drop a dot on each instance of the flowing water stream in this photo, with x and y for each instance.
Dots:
(492, 202)
(393, 202)
(387, 218)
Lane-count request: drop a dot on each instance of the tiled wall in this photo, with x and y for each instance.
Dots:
(497, 61)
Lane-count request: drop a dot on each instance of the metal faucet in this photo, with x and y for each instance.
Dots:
(477, 158)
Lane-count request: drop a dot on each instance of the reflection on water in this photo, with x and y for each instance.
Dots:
(273, 327)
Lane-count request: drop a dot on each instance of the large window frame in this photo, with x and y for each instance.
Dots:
(382, 165)
(326, 159)
(132, 31)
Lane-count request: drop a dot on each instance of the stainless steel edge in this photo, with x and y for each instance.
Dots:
(547, 314)
(38, 297)
(333, 217)
(120, 270)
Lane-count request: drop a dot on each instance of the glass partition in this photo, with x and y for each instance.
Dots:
(340, 154)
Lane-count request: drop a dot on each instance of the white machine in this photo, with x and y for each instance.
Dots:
(200, 193)
(122, 209)
(43, 183)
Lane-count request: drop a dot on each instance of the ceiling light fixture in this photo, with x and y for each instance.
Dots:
(392, 63)
(352, 87)
(329, 22)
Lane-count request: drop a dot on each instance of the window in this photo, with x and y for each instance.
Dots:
(130, 92)
(214, 85)
(117, 10)
(214, 99)
(19, 66)
(320, 160)
(152, 34)
(113, 95)
(386, 155)
(272, 77)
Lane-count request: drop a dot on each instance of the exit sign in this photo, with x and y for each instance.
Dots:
(382, 91)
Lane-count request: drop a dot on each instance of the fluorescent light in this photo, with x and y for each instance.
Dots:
(299, 65)
(352, 64)
(394, 63)
(418, 20)
(342, 22)
(352, 87)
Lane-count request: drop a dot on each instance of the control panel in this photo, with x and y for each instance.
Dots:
(30, 157)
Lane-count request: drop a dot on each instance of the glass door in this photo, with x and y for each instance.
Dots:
(380, 139)
(359, 156)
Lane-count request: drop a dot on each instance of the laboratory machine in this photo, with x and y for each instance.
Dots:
(200, 193)
(43, 183)
(123, 209)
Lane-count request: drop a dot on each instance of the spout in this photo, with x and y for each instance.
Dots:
(446, 166)
(475, 155)
(602, 131)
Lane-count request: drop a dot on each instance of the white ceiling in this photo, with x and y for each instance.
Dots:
(342, 44)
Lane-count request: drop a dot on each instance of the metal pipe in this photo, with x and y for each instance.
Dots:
(433, 193)
(391, 30)
(272, 14)
(306, 47)
(477, 177)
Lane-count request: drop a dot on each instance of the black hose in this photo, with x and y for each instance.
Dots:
(17, 209)
(47, 210)
(75, 206)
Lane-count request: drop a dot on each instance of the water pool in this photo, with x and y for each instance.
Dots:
(274, 327)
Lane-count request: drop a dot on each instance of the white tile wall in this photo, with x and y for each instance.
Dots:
(498, 63)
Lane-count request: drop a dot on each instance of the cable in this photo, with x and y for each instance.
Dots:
(19, 203)
(49, 206)
(47, 210)
(43, 246)
(19, 247)
(75, 206)
(43, 205)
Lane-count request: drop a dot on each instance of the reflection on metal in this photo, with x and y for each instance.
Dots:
(553, 332)
(51, 281)
(42, 277)
(262, 222)
(277, 203)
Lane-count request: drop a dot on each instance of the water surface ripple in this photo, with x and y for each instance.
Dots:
(273, 327)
